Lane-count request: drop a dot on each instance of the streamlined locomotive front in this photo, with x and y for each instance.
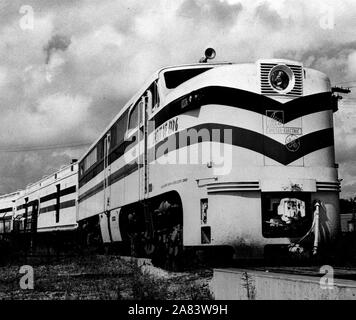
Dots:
(287, 189)
(272, 181)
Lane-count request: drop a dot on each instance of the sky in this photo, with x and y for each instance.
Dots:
(68, 66)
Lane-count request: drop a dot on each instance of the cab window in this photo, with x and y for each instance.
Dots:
(176, 77)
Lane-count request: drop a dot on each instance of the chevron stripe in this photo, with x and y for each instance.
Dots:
(240, 137)
(251, 140)
(293, 109)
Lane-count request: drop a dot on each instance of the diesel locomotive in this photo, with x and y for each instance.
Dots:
(205, 155)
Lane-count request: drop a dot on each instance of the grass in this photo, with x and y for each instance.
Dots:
(98, 277)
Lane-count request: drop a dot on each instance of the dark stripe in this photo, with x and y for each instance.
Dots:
(114, 154)
(68, 190)
(246, 100)
(28, 205)
(9, 217)
(94, 190)
(63, 205)
(5, 210)
(114, 177)
(240, 137)
(48, 209)
(249, 140)
(123, 172)
(118, 132)
(63, 192)
(50, 196)
(67, 204)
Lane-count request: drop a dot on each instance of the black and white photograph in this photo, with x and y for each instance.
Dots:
(191, 153)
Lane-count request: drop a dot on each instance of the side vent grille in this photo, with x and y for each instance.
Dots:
(266, 87)
(298, 75)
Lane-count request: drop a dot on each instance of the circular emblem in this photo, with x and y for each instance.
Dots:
(292, 143)
(281, 78)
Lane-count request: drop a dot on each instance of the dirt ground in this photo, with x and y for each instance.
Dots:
(102, 277)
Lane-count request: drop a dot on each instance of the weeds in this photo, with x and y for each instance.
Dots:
(101, 278)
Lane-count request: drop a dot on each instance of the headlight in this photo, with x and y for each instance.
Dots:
(281, 78)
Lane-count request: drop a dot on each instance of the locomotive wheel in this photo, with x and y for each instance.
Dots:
(168, 249)
(174, 248)
(148, 245)
(167, 237)
(158, 235)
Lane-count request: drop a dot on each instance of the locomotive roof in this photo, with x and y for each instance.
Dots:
(9, 195)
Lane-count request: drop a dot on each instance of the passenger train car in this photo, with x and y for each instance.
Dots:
(43, 208)
(7, 209)
(207, 155)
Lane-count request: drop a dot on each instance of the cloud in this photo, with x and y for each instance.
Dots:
(65, 80)
(57, 42)
(351, 64)
(56, 120)
(215, 12)
(268, 16)
(13, 165)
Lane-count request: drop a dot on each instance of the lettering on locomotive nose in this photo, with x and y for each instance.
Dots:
(292, 143)
(167, 128)
(275, 124)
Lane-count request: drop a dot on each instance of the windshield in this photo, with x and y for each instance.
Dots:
(176, 77)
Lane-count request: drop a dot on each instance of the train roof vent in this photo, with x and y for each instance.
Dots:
(281, 78)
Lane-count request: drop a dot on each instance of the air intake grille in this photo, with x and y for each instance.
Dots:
(266, 87)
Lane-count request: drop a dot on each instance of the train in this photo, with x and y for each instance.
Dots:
(221, 156)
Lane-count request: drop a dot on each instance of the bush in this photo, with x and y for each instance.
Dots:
(146, 287)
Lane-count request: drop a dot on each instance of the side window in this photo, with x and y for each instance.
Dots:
(81, 168)
(133, 118)
(121, 127)
(155, 96)
(100, 148)
(140, 110)
(136, 115)
(90, 159)
(113, 136)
